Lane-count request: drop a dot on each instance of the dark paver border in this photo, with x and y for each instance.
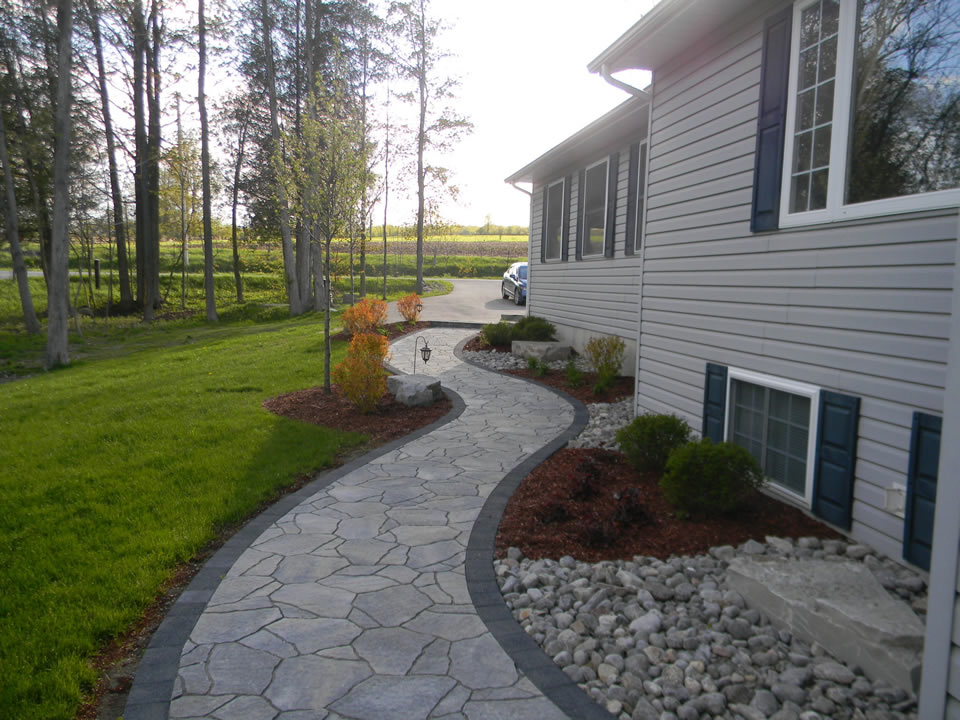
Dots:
(152, 688)
(485, 594)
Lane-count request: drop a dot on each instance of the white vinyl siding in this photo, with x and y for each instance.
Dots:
(861, 308)
(600, 296)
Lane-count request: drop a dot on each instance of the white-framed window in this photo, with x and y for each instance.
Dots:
(776, 420)
(553, 218)
(593, 220)
(641, 195)
(873, 109)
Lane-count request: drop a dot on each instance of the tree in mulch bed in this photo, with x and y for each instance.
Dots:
(360, 376)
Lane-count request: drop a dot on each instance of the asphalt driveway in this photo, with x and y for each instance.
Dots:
(472, 301)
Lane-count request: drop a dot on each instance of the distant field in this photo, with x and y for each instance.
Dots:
(264, 257)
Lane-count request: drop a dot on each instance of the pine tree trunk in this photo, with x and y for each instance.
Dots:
(126, 297)
(58, 302)
(13, 237)
(205, 171)
(289, 261)
(238, 166)
(140, 157)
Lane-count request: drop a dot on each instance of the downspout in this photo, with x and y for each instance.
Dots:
(637, 92)
(626, 87)
(529, 238)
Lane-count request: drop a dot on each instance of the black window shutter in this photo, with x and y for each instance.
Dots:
(610, 229)
(836, 458)
(714, 402)
(633, 177)
(921, 489)
(581, 178)
(774, 78)
(565, 234)
(543, 225)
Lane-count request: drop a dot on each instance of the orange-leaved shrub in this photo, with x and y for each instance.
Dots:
(366, 316)
(407, 306)
(360, 376)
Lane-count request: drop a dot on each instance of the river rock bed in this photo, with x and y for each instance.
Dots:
(667, 640)
(508, 361)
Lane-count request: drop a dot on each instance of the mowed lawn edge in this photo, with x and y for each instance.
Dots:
(116, 471)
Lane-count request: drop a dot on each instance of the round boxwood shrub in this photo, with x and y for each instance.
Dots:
(534, 328)
(648, 441)
(498, 334)
(706, 477)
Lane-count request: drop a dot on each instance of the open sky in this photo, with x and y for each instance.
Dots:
(525, 86)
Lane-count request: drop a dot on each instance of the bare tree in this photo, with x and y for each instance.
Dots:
(438, 125)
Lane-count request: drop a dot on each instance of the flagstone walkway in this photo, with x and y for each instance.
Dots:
(354, 603)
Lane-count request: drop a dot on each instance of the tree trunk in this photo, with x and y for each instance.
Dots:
(238, 166)
(421, 138)
(13, 236)
(386, 191)
(140, 156)
(326, 321)
(153, 158)
(184, 258)
(126, 297)
(289, 261)
(38, 194)
(205, 170)
(58, 309)
(321, 299)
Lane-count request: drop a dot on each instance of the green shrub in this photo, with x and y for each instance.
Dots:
(706, 477)
(648, 441)
(573, 373)
(500, 333)
(605, 354)
(534, 328)
(537, 366)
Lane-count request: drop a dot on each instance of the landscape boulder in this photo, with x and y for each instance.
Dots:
(415, 390)
(543, 351)
(841, 606)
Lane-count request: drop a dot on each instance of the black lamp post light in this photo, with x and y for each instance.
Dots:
(424, 352)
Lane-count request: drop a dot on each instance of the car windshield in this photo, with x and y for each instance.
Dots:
(522, 272)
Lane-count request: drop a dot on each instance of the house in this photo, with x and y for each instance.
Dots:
(588, 196)
(794, 255)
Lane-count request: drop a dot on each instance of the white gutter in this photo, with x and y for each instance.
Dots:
(605, 74)
(517, 187)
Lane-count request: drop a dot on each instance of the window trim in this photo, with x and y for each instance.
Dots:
(793, 387)
(546, 255)
(581, 220)
(836, 210)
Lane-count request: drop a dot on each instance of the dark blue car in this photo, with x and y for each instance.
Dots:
(514, 285)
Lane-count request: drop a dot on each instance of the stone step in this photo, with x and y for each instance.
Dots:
(839, 605)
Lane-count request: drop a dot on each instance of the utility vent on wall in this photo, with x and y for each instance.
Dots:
(896, 500)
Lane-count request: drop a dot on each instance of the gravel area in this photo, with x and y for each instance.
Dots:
(508, 361)
(668, 640)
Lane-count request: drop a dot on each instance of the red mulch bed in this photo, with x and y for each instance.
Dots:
(388, 420)
(622, 388)
(390, 332)
(554, 513)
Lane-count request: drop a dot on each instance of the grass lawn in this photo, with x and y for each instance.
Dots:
(125, 464)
